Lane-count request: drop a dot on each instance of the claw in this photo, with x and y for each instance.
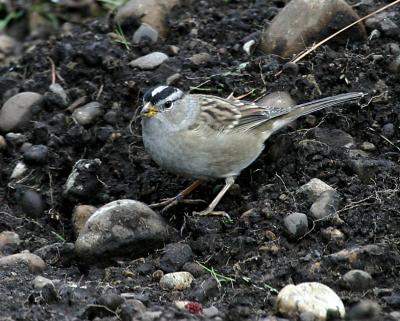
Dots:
(208, 212)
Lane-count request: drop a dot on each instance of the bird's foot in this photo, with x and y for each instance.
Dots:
(210, 212)
(168, 203)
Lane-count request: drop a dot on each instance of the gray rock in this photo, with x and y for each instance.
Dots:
(152, 12)
(193, 268)
(210, 312)
(145, 33)
(175, 256)
(31, 203)
(60, 93)
(36, 154)
(201, 58)
(17, 111)
(130, 309)
(278, 99)
(393, 301)
(283, 34)
(296, 224)
(34, 263)
(335, 138)
(357, 280)
(313, 189)
(364, 310)
(150, 61)
(177, 281)
(327, 204)
(384, 23)
(388, 130)
(16, 138)
(204, 290)
(110, 300)
(88, 113)
(121, 228)
(82, 183)
(9, 242)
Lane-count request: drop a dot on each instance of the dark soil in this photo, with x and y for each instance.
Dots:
(253, 248)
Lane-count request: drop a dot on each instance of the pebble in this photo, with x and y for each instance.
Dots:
(25, 146)
(201, 58)
(40, 282)
(9, 242)
(333, 235)
(36, 154)
(34, 263)
(145, 33)
(282, 35)
(17, 111)
(80, 215)
(60, 93)
(388, 130)
(31, 203)
(62, 253)
(149, 61)
(7, 44)
(175, 256)
(335, 138)
(88, 113)
(176, 281)
(3, 143)
(211, 312)
(364, 310)
(205, 290)
(82, 182)
(278, 99)
(313, 189)
(311, 297)
(357, 280)
(296, 224)
(368, 147)
(16, 138)
(151, 12)
(19, 170)
(121, 228)
(327, 204)
(130, 308)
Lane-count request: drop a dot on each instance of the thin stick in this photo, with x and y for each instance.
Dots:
(53, 71)
(308, 51)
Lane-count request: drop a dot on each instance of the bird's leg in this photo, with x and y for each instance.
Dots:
(210, 209)
(170, 202)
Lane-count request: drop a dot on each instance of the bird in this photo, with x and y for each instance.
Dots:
(206, 137)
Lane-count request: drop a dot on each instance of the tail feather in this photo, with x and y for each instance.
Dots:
(310, 107)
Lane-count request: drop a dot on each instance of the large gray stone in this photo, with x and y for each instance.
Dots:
(304, 22)
(121, 228)
(17, 110)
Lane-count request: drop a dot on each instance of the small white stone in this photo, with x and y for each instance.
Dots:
(311, 297)
(149, 61)
(176, 281)
(40, 282)
(18, 170)
(313, 189)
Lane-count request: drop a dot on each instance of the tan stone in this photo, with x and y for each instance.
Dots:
(80, 215)
(34, 262)
(304, 22)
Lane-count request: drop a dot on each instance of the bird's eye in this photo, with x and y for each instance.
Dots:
(168, 104)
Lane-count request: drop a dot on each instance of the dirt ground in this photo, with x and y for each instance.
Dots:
(254, 248)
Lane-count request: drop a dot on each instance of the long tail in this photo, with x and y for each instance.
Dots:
(312, 106)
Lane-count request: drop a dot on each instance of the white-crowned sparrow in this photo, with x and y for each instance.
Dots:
(207, 137)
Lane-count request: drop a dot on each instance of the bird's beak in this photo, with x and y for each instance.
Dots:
(149, 110)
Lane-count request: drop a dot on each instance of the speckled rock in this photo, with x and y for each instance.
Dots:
(17, 110)
(121, 228)
(176, 281)
(312, 297)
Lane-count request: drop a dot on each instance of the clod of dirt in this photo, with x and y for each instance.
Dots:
(311, 297)
(9, 242)
(17, 110)
(175, 256)
(357, 280)
(121, 228)
(303, 22)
